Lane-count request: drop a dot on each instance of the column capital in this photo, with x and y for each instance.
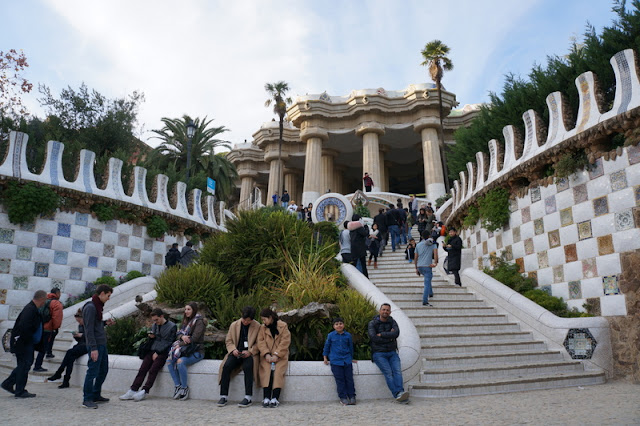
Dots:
(384, 148)
(330, 152)
(426, 122)
(308, 132)
(289, 171)
(370, 127)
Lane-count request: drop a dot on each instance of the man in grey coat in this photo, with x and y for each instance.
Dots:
(188, 255)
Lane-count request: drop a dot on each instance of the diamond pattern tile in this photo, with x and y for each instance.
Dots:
(64, 230)
(520, 263)
(516, 234)
(82, 219)
(624, 220)
(636, 191)
(23, 253)
(589, 268)
(60, 257)
(121, 265)
(554, 238)
(111, 226)
(618, 180)
(558, 274)
(596, 170)
(44, 241)
(157, 259)
(75, 274)
(543, 260)
(148, 245)
(508, 253)
(137, 231)
(78, 246)
(498, 241)
(5, 266)
(526, 214)
(610, 285)
(29, 227)
(535, 194)
(135, 255)
(95, 235)
(108, 250)
(123, 240)
(538, 226)
(41, 269)
(93, 262)
(580, 193)
(570, 253)
(550, 204)
(528, 246)
(562, 184)
(584, 230)
(6, 236)
(605, 245)
(600, 206)
(566, 217)
(634, 154)
(20, 283)
(575, 290)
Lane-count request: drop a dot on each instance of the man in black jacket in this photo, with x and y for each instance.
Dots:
(383, 233)
(383, 333)
(393, 226)
(358, 234)
(454, 250)
(172, 257)
(26, 334)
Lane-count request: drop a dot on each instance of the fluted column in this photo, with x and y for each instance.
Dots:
(312, 189)
(338, 180)
(370, 133)
(291, 185)
(384, 169)
(246, 186)
(433, 174)
(273, 178)
(328, 170)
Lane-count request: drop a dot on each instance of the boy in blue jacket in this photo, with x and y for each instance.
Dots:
(338, 350)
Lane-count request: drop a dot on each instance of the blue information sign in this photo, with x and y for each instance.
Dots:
(211, 185)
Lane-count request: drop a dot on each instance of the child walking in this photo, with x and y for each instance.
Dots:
(338, 350)
(410, 250)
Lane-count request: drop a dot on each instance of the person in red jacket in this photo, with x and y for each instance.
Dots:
(53, 309)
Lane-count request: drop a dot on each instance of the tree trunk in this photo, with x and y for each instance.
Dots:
(280, 183)
(443, 154)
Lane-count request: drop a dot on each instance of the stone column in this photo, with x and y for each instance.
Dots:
(370, 133)
(433, 174)
(338, 180)
(384, 169)
(328, 171)
(313, 137)
(291, 185)
(246, 187)
(273, 179)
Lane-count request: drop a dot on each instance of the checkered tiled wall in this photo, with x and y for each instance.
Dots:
(66, 251)
(569, 235)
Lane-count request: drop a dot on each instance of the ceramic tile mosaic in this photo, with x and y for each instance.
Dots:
(82, 219)
(135, 255)
(148, 245)
(111, 226)
(489, 234)
(75, 274)
(636, 191)
(596, 170)
(589, 268)
(78, 246)
(516, 234)
(485, 248)
(562, 184)
(558, 274)
(3, 296)
(64, 230)
(554, 238)
(508, 253)
(566, 217)
(580, 343)
(480, 263)
(618, 180)
(600, 206)
(498, 242)
(29, 227)
(108, 250)
(605, 245)
(41, 269)
(137, 231)
(610, 285)
(528, 246)
(535, 194)
(95, 235)
(107, 273)
(624, 220)
(48, 216)
(93, 262)
(477, 237)
(57, 283)
(6, 235)
(44, 241)
(20, 283)
(520, 263)
(123, 240)
(146, 268)
(534, 276)
(23, 253)
(157, 259)
(5, 266)
(526, 214)
(550, 204)
(584, 230)
(575, 290)
(570, 253)
(121, 265)
(513, 205)
(594, 306)
(14, 310)
(60, 257)
(538, 226)
(580, 193)
(543, 260)
(634, 154)
(546, 289)
(160, 239)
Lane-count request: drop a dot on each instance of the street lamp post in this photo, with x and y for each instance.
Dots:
(191, 130)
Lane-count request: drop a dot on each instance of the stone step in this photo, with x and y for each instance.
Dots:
(404, 304)
(415, 295)
(511, 346)
(404, 286)
(519, 370)
(473, 337)
(422, 311)
(432, 362)
(471, 328)
(7, 366)
(459, 319)
(507, 384)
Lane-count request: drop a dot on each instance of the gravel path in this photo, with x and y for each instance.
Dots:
(614, 403)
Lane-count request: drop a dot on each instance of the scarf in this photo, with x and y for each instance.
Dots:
(99, 306)
(273, 327)
(184, 331)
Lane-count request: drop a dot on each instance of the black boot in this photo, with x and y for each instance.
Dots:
(57, 375)
(65, 384)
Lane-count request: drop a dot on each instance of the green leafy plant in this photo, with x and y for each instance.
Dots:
(156, 226)
(123, 335)
(109, 280)
(494, 209)
(570, 163)
(441, 200)
(553, 304)
(361, 210)
(307, 339)
(130, 276)
(508, 274)
(472, 217)
(25, 202)
(356, 311)
(104, 212)
(327, 231)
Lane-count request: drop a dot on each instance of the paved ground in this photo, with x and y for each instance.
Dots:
(614, 403)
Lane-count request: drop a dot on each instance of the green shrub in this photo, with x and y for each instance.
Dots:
(26, 202)
(472, 217)
(307, 339)
(553, 304)
(130, 276)
(104, 212)
(494, 209)
(156, 226)
(109, 280)
(124, 337)
(570, 163)
(508, 274)
(441, 200)
(328, 232)
(230, 306)
(356, 311)
(361, 210)
(201, 283)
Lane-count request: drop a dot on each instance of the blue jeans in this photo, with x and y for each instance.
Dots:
(389, 364)
(96, 374)
(344, 380)
(404, 233)
(285, 204)
(178, 368)
(394, 232)
(427, 273)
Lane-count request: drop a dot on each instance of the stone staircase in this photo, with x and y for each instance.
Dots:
(467, 347)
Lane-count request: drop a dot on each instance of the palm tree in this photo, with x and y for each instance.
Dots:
(435, 57)
(277, 92)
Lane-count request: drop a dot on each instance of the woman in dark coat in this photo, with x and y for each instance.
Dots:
(454, 250)
(359, 235)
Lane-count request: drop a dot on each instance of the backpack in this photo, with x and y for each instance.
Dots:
(46, 311)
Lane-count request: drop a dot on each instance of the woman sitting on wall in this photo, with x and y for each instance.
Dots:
(273, 342)
(187, 350)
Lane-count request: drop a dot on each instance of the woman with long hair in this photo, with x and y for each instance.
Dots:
(273, 342)
(187, 350)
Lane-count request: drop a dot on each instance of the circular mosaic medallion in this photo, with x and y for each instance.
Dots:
(333, 206)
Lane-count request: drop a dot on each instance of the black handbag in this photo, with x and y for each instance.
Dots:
(144, 348)
(190, 349)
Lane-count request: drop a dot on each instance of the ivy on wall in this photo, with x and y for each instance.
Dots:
(25, 202)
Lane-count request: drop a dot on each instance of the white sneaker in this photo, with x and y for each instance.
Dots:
(128, 396)
(140, 395)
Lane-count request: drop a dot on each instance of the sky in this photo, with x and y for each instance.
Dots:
(213, 58)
